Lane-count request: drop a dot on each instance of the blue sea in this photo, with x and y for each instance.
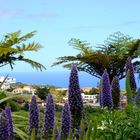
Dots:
(58, 79)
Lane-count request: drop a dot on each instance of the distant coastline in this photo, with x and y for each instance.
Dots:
(58, 79)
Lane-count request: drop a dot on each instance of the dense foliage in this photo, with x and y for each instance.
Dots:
(42, 92)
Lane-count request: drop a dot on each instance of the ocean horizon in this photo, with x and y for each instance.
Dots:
(58, 79)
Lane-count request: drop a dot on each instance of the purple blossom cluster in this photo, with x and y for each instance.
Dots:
(4, 127)
(33, 116)
(49, 118)
(66, 121)
(10, 122)
(115, 91)
(129, 66)
(75, 99)
(106, 97)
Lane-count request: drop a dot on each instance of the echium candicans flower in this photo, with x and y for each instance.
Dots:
(129, 66)
(115, 91)
(137, 98)
(75, 100)
(10, 122)
(4, 127)
(106, 97)
(66, 121)
(49, 118)
(33, 116)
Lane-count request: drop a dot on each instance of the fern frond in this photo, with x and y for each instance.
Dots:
(82, 46)
(34, 64)
(30, 47)
(13, 38)
(27, 36)
(7, 51)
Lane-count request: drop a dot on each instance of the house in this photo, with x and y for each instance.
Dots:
(18, 90)
(61, 89)
(29, 89)
(86, 89)
(7, 83)
(25, 89)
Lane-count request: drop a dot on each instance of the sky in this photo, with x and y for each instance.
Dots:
(57, 21)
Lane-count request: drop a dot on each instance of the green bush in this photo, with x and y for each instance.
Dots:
(25, 106)
(58, 108)
(14, 106)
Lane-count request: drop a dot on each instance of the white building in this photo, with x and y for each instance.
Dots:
(7, 83)
(86, 98)
(89, 98)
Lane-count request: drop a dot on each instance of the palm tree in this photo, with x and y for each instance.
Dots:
(112, 55)
(12, 49)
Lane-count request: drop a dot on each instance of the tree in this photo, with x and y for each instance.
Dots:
(42, 92)
(111, 55)
(12, 49)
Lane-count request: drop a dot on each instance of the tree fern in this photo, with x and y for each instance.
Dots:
(12, 48)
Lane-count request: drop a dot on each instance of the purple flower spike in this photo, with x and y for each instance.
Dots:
(49, 118)
(106, 97)
(75, 99)
(115, 91)
(10, 122)
(34, 116)
(4, 127)
(66, 121)
(129, 66)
